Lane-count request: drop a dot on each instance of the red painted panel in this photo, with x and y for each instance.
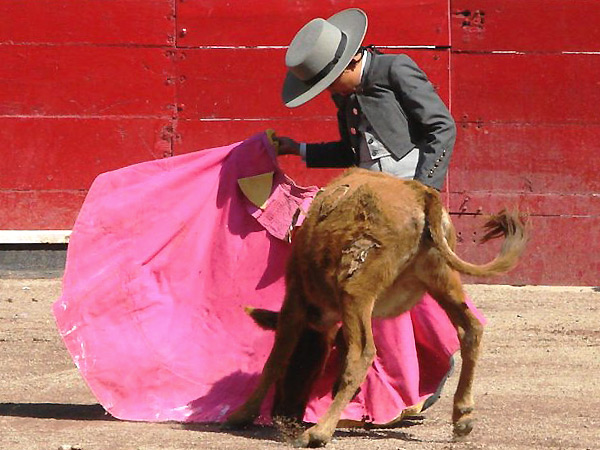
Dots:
(62, 154)
(560, 251)
(99, 97)
(39, 209)
(85, 81)
(482, 202)
(148, 22)
(246, 83)
(526, 88)
(195, 135)
(233, 83)
(530, 25)
(274, 22)
(538, 159)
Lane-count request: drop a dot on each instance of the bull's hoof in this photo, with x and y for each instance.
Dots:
(313, 438)
(463, 427)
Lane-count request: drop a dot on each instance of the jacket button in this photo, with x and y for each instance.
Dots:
(355, 111)
(353, 130)
(370, 141)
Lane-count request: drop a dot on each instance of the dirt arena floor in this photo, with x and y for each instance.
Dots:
(537, 387)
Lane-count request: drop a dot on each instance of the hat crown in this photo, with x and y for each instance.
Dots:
(313, 48)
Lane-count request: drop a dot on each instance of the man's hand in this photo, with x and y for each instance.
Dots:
(288, 146)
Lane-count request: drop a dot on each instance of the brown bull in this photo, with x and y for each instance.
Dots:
(371, 246)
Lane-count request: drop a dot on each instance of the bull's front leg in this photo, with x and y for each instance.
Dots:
(360, 354)
(290, 326)
(306, 365)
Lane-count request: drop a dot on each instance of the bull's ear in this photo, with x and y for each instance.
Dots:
(264, 318)
(257, 188)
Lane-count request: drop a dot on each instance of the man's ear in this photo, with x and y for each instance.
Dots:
(353, 62)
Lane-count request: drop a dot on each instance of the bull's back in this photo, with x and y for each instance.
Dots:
(359, 213)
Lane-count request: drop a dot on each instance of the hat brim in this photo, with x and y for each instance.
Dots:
(353, 22)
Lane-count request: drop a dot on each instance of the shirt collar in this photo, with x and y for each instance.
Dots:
(366, 61)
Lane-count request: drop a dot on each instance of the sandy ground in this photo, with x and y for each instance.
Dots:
(537, 385)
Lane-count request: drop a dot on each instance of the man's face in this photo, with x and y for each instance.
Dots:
(345, 84)
(349, 80)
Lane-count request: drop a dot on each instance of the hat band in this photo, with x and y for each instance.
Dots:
(338, 54)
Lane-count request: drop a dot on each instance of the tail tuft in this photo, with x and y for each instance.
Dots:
(505, 223)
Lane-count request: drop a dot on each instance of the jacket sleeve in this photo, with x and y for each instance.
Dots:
(336, 153)
(428, 112)
(329, 154)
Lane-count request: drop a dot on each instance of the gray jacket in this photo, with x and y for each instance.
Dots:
(404, 111)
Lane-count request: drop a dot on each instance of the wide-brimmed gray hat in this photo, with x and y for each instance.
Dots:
(319, 53)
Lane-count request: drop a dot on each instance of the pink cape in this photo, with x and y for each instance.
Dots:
(163, 257)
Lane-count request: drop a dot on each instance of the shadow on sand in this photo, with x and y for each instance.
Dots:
(55, 411)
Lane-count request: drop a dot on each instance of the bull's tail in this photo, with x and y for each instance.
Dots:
(507, 224)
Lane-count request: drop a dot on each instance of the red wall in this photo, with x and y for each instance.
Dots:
(525, 80)
(88, 86)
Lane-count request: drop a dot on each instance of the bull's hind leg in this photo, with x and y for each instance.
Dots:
(447, 290)
(292, 321)
(358, 334)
